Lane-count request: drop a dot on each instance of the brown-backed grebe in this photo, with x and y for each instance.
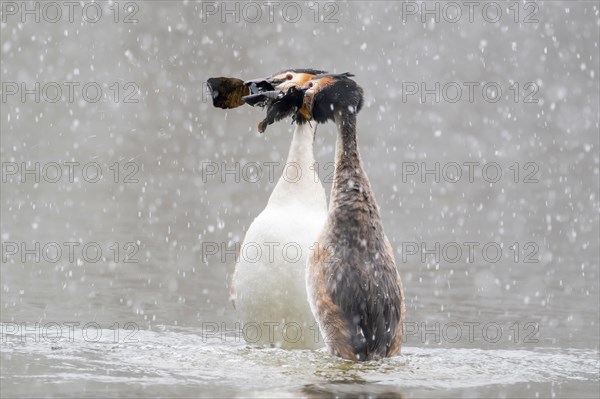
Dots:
(353, 285)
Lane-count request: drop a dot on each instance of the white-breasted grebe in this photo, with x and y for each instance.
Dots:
(270, 293)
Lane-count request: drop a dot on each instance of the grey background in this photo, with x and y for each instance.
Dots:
(173, 131)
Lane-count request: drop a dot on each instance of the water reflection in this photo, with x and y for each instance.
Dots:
(352, 390)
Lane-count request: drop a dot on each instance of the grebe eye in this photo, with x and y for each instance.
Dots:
(289, 76)
(310, 84)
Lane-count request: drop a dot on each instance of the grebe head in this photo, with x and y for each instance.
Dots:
(326, 94)
(283, 80)
(280, 93)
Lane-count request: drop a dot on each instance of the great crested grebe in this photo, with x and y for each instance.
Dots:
(354, 289)
(270, 293)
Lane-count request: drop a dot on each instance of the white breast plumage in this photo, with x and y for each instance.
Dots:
(269, 280)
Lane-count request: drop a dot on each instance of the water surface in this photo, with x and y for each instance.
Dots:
(534, 311)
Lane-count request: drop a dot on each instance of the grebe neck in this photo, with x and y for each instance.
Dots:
(350, 182)
(299, 181)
